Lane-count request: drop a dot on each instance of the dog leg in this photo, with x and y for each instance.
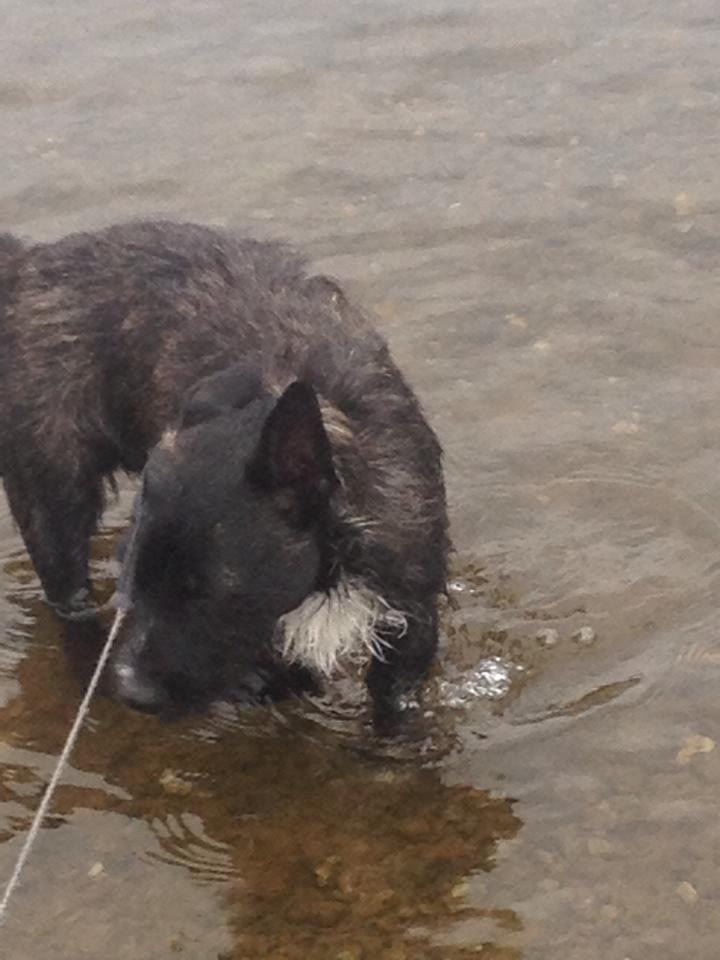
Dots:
(57, 516)
(406, 662)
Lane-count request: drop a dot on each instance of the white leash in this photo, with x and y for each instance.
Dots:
(62, 761)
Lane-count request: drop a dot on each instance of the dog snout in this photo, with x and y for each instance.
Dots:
(135, 682)
(138, 688)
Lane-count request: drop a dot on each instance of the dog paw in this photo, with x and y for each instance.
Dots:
(78, 607)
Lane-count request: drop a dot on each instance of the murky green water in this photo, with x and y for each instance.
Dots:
(527, 194)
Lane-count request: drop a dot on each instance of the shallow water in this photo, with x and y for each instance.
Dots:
(526, 192)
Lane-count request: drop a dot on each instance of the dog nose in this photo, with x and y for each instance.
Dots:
(139, 690)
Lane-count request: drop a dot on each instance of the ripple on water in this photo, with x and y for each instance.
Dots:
(184, 842)
(605, 597)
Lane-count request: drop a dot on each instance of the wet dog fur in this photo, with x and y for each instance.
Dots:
(292, 509)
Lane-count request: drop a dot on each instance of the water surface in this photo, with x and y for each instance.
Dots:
(526, 193)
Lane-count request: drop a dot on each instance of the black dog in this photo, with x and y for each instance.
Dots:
(292, 508)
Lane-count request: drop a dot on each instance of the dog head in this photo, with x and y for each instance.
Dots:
(229, 535)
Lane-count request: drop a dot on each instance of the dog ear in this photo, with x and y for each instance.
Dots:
(234, 387)
(294, 452)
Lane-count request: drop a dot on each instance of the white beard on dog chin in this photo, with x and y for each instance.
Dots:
(333, 624)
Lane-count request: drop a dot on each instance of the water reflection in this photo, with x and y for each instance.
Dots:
(317, 850)
(526, 193)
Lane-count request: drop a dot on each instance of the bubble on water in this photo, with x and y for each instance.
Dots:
(490, 680)
(584, 636)
(547, 637)
(408, 702)
(457, 586)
